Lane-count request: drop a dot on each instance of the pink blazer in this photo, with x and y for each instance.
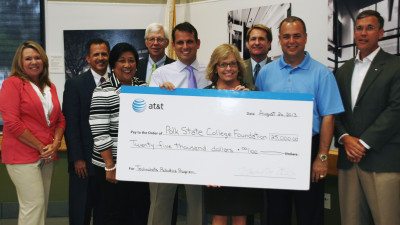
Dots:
(22, 109)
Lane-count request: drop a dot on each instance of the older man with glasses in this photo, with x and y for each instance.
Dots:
(156, 41)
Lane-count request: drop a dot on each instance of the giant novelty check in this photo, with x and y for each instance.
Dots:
(227, 138)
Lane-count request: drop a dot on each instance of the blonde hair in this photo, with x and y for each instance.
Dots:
(17, 68)
(220, 53)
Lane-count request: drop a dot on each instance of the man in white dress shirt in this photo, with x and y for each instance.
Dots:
(186, 72)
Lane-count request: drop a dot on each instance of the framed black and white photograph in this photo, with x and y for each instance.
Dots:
(75, 43)
(341, 20)
(241, 20)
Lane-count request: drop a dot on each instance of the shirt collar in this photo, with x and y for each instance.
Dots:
(181, 66)
(370, 57)
(159, 63)
(98, 76)
(305, 64)
(254, 63)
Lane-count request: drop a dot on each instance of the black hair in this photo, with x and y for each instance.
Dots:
(185, 27)
(97, 41)
(118, 50)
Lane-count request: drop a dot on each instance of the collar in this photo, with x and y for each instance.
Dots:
(159, 63)
(370, 57)
(305, 64)
(181, 66)
(98, 76)
(254, 63)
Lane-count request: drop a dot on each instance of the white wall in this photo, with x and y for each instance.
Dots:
(208, 17)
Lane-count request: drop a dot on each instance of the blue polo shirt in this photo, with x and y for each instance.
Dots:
(309, 77)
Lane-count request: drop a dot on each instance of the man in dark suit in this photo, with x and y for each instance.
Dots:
(156, 41)
(258, 41)
(368, 131)
(76, 105)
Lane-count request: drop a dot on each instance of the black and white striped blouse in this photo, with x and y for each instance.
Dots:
(104, 117)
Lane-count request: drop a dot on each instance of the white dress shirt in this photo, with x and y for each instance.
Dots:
(360, 71)
(97, 76)
(176, 74)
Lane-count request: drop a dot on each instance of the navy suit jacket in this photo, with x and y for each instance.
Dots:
(76, 106)
(376, 115)
(142, 67)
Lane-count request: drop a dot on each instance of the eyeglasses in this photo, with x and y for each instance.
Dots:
(225, 65)
(367, 28)
(154, 39)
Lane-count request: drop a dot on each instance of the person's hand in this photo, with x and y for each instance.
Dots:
(354, 149)
(319, 169)
(110, 176)
(80, 168)
(241, 88)
(168, 85)
(48, 153)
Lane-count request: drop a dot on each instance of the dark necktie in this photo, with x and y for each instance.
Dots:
(102, 80)
(256, 70)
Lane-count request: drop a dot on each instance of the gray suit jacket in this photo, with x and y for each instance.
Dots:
(376, 115)
(248, 78)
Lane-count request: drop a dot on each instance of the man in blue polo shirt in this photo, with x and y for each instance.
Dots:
(297, 72)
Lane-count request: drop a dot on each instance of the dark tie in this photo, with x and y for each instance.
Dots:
(102, 80)
(256, 70)
(192, 79)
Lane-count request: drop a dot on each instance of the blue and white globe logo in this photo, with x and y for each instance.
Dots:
(139, 105)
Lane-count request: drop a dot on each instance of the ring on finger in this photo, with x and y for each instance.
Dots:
(321, 176)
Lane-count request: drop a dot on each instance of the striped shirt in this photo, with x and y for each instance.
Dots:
(104, 117)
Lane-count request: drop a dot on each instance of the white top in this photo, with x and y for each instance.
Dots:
(46, 100)
(150, 65)
(97, 76)
(177, 74)
(360, 71)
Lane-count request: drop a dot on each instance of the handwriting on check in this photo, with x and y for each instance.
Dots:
(272, 114)
(219, 133)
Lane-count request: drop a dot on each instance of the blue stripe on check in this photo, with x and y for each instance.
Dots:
(218, 93)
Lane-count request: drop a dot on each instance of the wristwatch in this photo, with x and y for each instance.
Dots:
(323, 157)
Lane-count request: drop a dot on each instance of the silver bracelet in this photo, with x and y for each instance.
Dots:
(111, 169)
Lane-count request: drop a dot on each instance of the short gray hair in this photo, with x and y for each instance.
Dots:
(154, 28)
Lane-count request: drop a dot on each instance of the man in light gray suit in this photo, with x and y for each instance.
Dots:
(368, 132)
(258, 41)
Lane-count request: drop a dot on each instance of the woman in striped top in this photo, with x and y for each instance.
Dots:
(122, 202)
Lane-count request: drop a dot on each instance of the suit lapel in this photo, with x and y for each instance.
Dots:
(90, 82)
(249, 69)
(374, 70)
(347, 81)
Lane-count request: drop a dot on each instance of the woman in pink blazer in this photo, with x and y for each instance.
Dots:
(32, 132)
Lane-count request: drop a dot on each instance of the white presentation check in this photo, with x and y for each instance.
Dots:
(227, 138)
